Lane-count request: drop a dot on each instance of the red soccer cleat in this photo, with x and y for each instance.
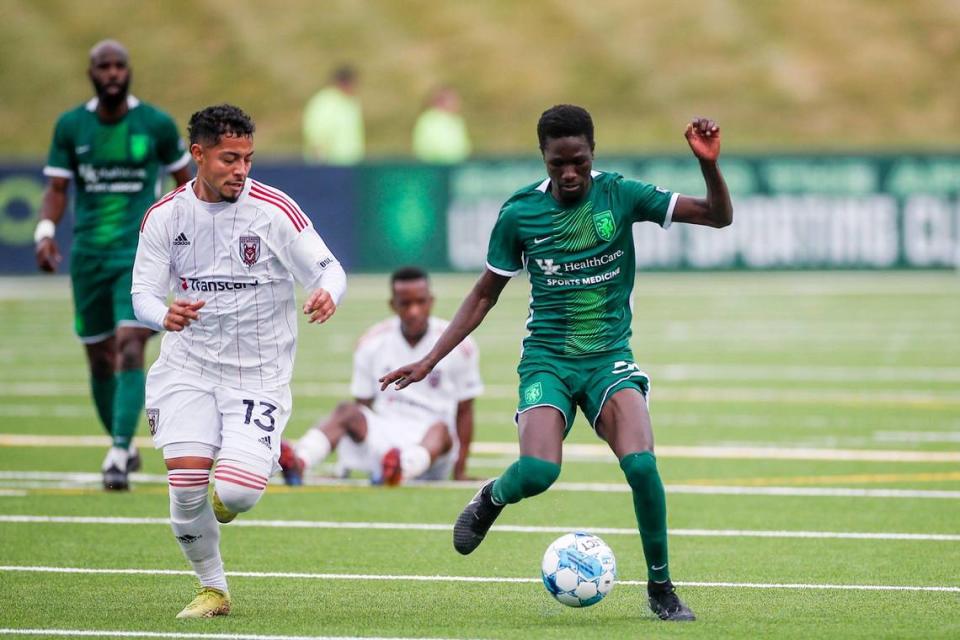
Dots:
(392, 474)
(290, 465)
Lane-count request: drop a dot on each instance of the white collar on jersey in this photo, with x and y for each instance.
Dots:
(542, 188)
(132, 103)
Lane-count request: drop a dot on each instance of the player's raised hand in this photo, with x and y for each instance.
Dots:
(319, 306)
(406, 375)
(703, 136)
(48, 255)
(181, 313)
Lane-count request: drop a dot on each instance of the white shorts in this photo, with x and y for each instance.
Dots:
(184, 408)
(385, 433)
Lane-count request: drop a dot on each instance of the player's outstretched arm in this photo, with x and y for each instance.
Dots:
(51, 212)
(471, 313)
(716, 210)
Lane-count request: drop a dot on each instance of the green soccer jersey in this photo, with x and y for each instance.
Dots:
(117, 168)
(580, 259)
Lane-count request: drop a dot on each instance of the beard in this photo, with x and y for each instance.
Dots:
(112, 99)
(228, 198)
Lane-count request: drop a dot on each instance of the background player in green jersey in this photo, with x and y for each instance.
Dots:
(116, 149)
(573, 234)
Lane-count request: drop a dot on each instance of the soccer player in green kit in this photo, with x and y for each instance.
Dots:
(572, 232)
(117, 149)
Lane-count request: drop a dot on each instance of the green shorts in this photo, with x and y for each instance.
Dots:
(585, 382)
(101, 295)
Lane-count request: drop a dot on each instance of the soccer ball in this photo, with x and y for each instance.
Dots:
(578, 569)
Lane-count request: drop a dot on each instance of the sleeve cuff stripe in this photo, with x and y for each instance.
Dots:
(502, 272)
(669, 217)
(179, 164)
(57, 172)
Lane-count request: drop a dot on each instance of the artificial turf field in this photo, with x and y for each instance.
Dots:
(808, 430)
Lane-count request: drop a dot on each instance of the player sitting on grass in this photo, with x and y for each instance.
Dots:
(572, 232)
(420, 433)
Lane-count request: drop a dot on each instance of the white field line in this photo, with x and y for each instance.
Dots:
(418, 526)
(600, 451)
(698, 394)
(587, 452)
(97, 633)
(56, 480)
(475, 579)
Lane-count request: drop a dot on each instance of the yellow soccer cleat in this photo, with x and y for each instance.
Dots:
(222, 514)
(208, 603)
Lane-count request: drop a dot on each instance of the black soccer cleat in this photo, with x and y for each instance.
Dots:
(115, 479)
(475, 520)
(134, 462)
(666, 604)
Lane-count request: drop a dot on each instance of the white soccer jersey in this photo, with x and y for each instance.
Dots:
(383, 348)
(240, 258)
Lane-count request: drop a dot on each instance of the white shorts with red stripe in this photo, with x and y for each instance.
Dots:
(236, 423)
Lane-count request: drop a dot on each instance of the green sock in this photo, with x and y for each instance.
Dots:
(104, 390)
(127, 406)
(650, 505)
(525, 478)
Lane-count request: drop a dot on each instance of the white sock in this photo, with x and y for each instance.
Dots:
(132, 451)
(194, 525)
(313, 447)
(116, 457)
(414, 461)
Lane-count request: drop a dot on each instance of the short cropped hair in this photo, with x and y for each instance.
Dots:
(407, 274)
(344, 74)
(563, 120)
(208, 125)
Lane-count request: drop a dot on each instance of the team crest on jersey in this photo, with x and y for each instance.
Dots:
(604, 224)
(153, 417)
(139, 145)
(434, 379)
(249, 249)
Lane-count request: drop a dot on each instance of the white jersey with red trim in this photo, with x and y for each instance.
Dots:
(241, 259)
(383, 348)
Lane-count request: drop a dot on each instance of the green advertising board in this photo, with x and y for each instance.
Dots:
(791, 212)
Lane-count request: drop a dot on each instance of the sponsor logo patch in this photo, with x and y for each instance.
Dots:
(546, 265)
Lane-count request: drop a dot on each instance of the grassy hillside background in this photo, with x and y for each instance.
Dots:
(822, 74)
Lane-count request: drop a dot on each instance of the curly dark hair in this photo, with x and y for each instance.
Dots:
(208, 125)
(562, 120)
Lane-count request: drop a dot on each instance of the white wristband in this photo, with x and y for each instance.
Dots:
(45, 229)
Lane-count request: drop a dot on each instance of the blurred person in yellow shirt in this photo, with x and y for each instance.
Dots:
(333, 122)
(440, 134)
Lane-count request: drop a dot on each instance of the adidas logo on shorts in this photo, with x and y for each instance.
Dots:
(181, 240)
(265, 441)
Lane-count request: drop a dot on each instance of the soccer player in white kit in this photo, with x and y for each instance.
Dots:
(420, 433)
(230, 249)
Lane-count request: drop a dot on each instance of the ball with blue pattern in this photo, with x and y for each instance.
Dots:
(579, 569)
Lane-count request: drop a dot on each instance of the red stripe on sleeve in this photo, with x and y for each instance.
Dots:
(165, 199)
(282, 196)
(254, 193)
